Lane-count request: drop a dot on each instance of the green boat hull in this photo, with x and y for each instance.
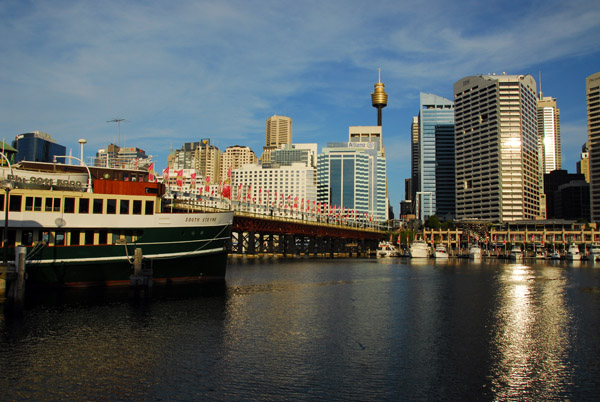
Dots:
(168, 255)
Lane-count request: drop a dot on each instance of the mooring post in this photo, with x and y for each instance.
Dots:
(141, 278)
(16, 293)
(137, 261)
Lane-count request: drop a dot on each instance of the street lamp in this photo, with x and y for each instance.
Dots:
(7, 186)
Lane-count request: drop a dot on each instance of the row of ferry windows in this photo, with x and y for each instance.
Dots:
(71, 237)
(84, 206)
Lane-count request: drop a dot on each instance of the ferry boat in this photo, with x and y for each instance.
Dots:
(594, 253)
(475, 252)
(387, 249)
(573, 253)
(516, 254)
(85, 234)
(419, 249)
(440, 251)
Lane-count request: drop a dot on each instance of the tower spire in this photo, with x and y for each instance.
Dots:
(379, 98)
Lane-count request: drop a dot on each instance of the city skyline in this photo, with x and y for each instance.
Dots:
(179, 73)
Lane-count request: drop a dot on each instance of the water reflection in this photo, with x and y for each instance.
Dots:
(531, 334)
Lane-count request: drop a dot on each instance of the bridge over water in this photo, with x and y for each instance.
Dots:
(260, 234)
(255, 234)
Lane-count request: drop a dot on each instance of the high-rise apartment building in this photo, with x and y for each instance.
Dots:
(436, 186)
(279, 132)
(549, 133)
(235, 157)
(201, 157)
(592, 90)
(497, 154)
(114, 156)
(208, 162)
(184, 158)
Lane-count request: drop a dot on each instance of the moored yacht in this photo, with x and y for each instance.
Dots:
(573, 253)
(440, 251)
(387, 249)
(419, 249)
(594, 253)
(516, 254)
(474, 252)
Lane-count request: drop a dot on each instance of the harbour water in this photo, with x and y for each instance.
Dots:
(344, 329)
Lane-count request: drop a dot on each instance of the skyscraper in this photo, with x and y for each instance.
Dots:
(549, 133)
(497, 154)
(414, 157)
(592, 90)
(436, 186)
(352, 174)
(279, 132)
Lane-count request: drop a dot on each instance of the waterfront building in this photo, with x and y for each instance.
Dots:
(352, 176)
(560, 187)
(435, 194)
(114, 156)
(498, 177)
(592, 90)
(287, 189)
(583, 165)
(549, 133)
(235, 157)
(38, 146)
(278, 132)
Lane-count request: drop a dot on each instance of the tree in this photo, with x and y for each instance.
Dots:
(433, 222)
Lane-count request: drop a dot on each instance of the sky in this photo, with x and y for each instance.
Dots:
(180, 71)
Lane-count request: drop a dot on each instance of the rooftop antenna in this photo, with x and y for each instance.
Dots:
(540, 73)
(118, 120)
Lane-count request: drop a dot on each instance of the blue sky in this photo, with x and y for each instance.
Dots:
(179, 71)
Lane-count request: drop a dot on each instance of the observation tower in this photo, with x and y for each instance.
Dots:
(379, 98)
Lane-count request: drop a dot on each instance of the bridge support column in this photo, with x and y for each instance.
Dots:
(251, 249)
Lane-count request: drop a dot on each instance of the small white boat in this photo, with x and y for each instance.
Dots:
(594, 254)
(555, 256)
(573, 253)
(387, 249)
(475, 252)
(419, 249)
(516, 254)
(441, 252)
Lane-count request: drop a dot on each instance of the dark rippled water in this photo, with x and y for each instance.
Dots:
(367, 330)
